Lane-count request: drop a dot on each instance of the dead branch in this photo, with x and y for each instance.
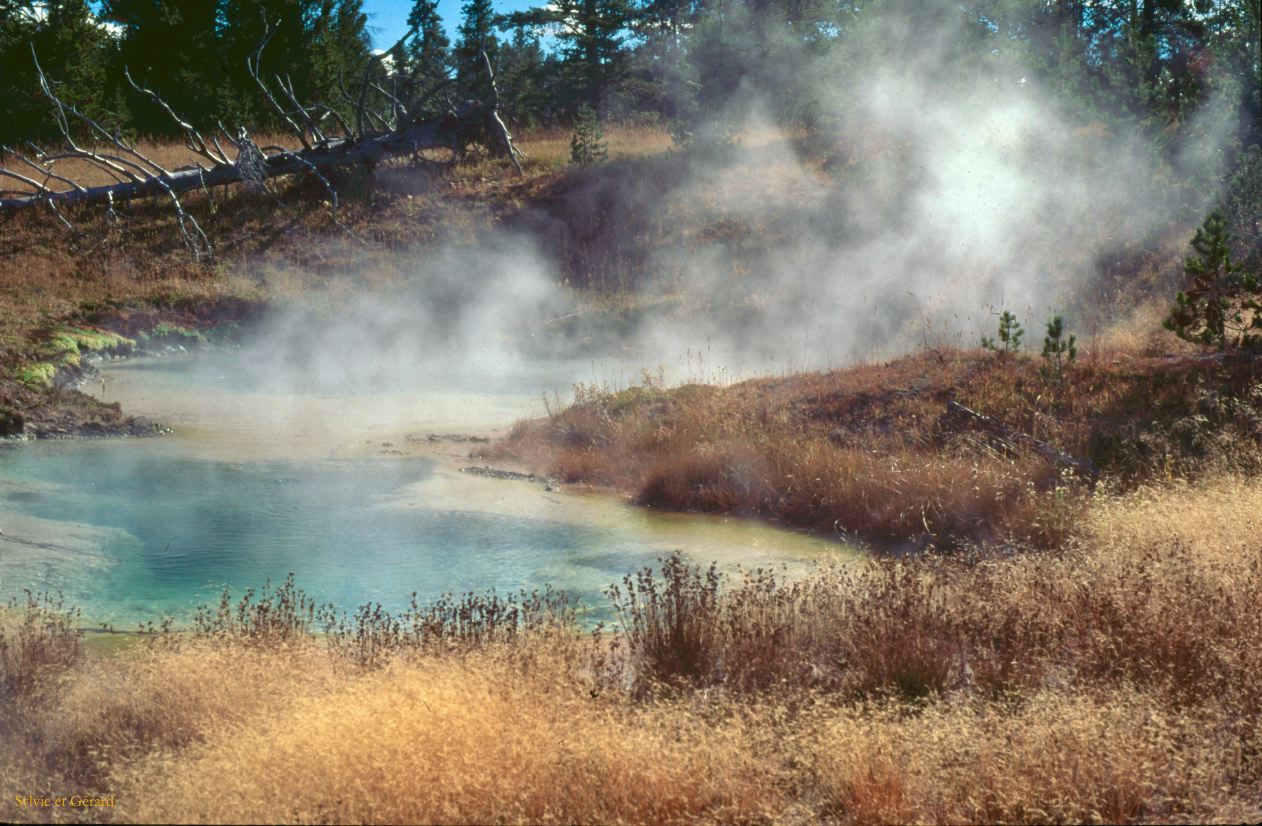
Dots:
(373, 137)
(1011, 438)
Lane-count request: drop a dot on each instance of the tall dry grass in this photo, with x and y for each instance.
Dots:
(38, 635)
(873, 452)
(1115, 680)
(460, 741)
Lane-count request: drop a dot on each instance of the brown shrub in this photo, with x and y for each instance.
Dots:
(39, 637)
(871, 452)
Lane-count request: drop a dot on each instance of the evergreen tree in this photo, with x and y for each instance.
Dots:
(339, 47)
(587, 144)
(1059, 351)
(1220, 307)
(591, 35)
(172, 48)
(427, 57)
(75, 50)
(1010, 333)
(430, 50)
(315, 45)
(476, 35)
(524, 78)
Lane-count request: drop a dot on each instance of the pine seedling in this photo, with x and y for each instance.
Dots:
(1059, 351)
(1009, 335)
(587, 145)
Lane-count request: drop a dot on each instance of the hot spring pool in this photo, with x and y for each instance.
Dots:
(254, 484)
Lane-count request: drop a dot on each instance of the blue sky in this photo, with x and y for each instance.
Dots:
(387, 19)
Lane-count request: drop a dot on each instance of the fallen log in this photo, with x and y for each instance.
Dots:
(1013, 437)
(402, 128)
(369, 151)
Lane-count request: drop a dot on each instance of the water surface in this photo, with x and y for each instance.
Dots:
(255, 483)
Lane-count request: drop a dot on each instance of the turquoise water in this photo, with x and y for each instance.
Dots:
(136, 529)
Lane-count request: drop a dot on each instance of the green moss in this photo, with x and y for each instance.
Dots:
(66, 346)
(37, 374)
(174, 334)
(59, 343)
(97, 340)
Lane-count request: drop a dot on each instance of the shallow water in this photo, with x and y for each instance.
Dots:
(254, 484)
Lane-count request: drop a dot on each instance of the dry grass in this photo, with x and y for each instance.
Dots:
(872, 451)
(458, 742)
(1114, 757)
(38, 635)
(550, 148)
(1115, 681)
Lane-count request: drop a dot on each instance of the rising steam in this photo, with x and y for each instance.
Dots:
(952, 186)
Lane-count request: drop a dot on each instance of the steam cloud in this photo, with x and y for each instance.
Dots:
(956, 187)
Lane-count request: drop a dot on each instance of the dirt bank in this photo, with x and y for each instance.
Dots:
(39, 393)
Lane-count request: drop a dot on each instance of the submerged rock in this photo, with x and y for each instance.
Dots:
(497, 473)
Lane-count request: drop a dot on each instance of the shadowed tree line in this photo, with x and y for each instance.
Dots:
(1155, 68)
(1153, 62)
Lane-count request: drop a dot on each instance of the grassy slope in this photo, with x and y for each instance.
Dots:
(872, 451)
(267, 247)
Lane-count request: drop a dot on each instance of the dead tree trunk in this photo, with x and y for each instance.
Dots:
(392, 129)
(444, 134)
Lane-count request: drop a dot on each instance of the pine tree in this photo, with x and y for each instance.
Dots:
(1221, 305)
(75, 51)
(1009, 333)
(338, 44)
(591, 34)
(476, 35)
(1058, 351)
(587, 144)
(172, 48)
(524, 79)
(430, 49)
(427, 56)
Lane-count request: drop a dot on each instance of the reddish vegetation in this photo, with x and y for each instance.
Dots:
(871, 451)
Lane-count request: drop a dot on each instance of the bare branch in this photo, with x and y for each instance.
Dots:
(494, 125)
(47, 172)
(312, 127)
(111, 162)
(314, 171)
(402, 132)
(368, 67)
(252, 66)
(192, 137)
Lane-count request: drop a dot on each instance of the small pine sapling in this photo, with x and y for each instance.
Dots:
(1220, 307)
(1058, 351)
(1009, 335)
(587, 145)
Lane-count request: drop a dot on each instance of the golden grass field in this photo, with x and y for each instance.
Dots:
(1117, 680)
